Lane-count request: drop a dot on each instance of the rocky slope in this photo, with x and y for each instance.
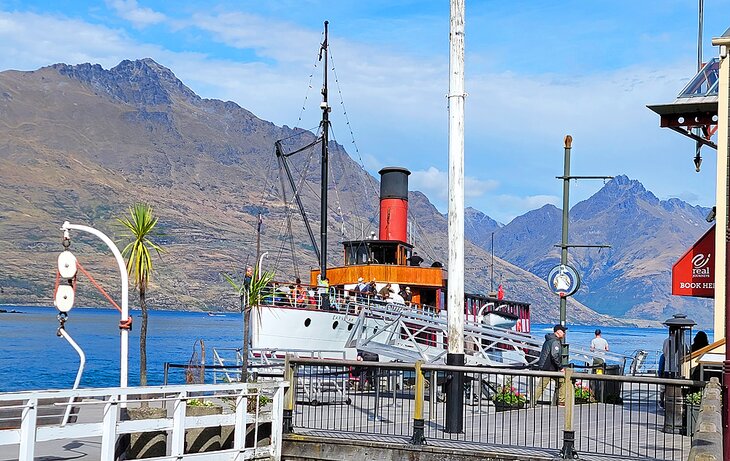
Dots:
(81, 143)
(633, 277)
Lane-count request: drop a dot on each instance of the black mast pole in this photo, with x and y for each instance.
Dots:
(325, 168)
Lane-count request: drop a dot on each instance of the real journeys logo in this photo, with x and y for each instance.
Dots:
(700, 266)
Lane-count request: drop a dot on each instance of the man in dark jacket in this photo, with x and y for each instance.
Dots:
(551, 360)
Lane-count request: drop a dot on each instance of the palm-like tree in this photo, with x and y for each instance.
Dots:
(140, 226)
(251, 294)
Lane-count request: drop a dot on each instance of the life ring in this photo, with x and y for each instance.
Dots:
(518, 325)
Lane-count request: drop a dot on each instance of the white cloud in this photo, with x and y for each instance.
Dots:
(132, 12)
(435, 184)
(515, 121)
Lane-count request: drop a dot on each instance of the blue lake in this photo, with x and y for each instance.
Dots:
(34, 357)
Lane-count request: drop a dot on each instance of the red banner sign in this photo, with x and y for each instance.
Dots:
(694, 273)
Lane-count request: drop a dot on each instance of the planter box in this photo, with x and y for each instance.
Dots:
(692, 415)
(501, 406)
(146, 444)
(200, 440)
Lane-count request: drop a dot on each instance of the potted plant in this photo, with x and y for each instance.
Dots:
(508, 398)
(583, 394)
(692, 411)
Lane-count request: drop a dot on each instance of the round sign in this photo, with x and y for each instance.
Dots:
(563, 280)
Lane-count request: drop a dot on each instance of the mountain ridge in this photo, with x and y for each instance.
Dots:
(82, 143)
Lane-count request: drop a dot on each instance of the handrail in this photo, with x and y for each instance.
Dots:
(704, 350)
(495, 370)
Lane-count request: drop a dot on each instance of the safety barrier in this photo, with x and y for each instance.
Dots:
(622, 416)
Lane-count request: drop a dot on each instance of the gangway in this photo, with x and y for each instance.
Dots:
(403, 333)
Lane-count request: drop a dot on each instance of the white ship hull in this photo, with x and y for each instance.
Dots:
(286, 328)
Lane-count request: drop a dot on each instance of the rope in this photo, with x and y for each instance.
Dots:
(123, 325)
(98, 286)
(368, 182)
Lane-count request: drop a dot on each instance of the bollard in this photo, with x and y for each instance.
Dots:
(568, 450)
(673, 410)
(289, 396)
(418, 436)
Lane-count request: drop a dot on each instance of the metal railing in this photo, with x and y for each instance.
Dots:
(102, 413)
(622, 416)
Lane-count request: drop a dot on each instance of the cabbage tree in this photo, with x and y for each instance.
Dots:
(140, 227)
(251, 294)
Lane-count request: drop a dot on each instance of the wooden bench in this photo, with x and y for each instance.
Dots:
(50, 413)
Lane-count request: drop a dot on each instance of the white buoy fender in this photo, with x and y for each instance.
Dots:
(67, 265)
(64, 298)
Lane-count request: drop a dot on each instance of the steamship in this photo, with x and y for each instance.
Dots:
(343, 321)
(332, 327)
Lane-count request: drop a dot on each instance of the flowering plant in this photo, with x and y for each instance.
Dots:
(508, 395)
(583, 393)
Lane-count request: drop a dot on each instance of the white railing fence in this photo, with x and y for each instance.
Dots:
(33, 417)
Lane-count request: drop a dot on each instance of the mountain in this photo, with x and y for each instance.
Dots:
(478, 227)
(81, 144)
(630, 279)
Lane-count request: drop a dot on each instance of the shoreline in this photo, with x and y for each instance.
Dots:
(620, 322)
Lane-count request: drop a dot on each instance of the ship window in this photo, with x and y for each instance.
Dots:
(356, 254)
(307, 322)
(349, 327)
(334, 325)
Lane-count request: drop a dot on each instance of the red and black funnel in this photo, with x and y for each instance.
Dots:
(394, 203)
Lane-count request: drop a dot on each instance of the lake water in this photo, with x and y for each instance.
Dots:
(33, 357)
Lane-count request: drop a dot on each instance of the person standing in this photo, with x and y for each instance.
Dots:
(598, 344)
(551, 359)
(384, 292)
(414, 259)
(360, 288)
(407, 296)
(700, 342)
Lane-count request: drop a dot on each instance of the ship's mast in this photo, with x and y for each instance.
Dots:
(455, 309)
(325, 159)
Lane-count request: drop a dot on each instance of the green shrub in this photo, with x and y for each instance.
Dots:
(695, 398)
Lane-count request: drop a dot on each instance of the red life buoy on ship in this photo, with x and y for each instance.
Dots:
(518, 325)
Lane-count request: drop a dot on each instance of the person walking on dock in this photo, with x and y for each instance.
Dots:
(551, 360)
(598, 344)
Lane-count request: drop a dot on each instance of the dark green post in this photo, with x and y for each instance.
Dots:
(564, 237)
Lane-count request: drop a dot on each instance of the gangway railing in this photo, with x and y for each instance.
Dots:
(406, 334)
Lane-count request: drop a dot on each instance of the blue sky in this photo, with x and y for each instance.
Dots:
(535, 71)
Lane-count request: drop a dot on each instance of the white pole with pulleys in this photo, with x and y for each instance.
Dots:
(124, 333)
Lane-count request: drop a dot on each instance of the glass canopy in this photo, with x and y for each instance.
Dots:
(704, 83)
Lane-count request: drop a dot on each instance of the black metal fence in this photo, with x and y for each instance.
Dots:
(618, 416)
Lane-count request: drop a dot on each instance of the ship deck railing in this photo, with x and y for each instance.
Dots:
(101, 420)
(610, 416)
